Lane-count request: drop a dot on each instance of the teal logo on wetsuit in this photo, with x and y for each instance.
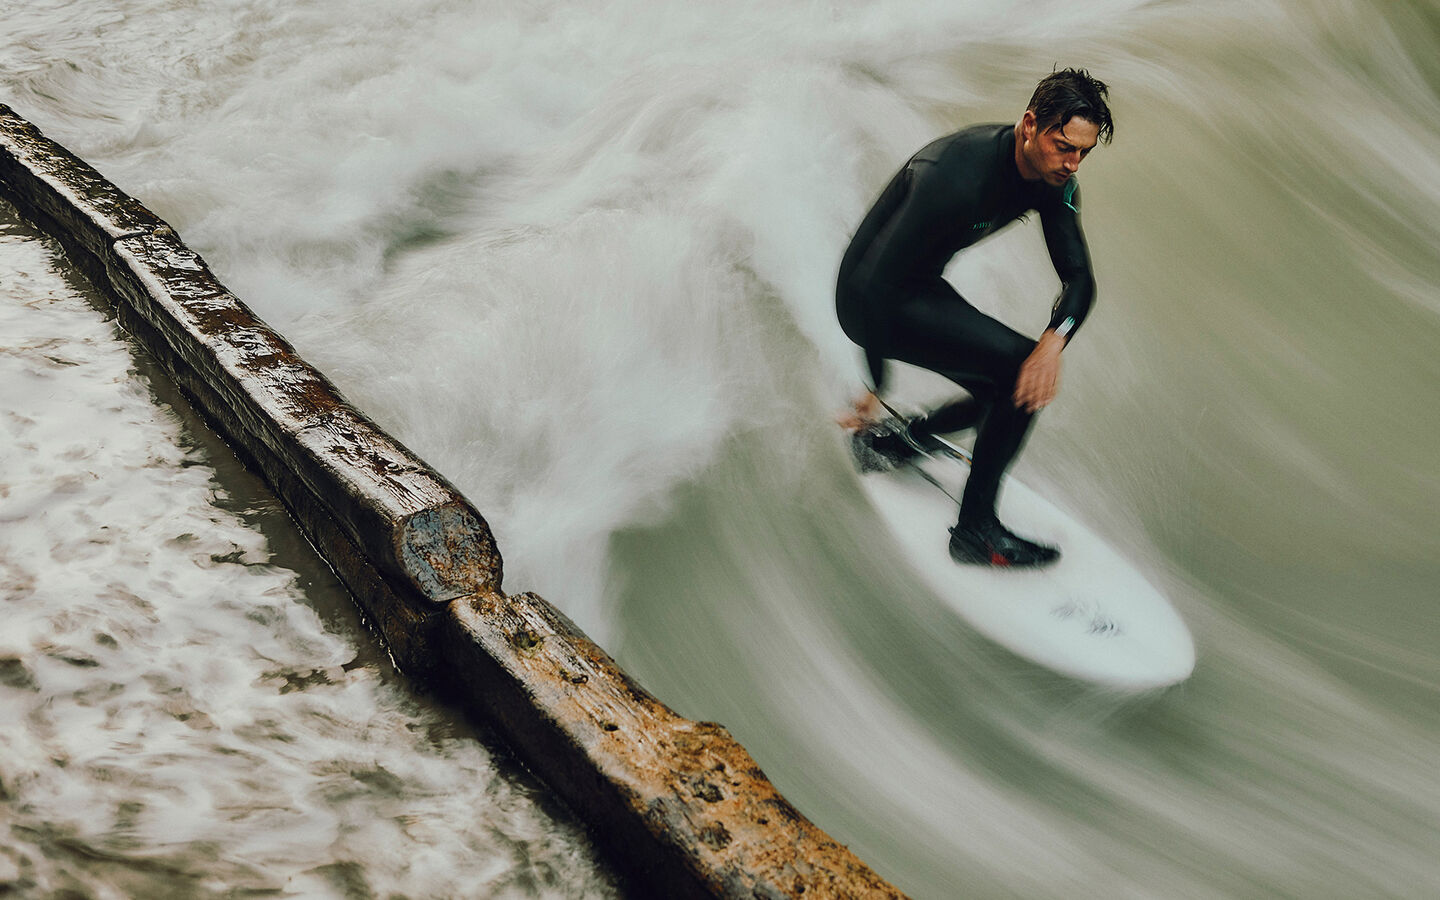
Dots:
(981, 226)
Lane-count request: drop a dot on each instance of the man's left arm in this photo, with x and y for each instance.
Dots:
(1039, 378)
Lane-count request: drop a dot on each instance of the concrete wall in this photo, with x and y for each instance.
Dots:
(680, 808)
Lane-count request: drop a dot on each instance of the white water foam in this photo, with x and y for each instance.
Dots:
(179, 719)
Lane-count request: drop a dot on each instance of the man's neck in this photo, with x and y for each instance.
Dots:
(1022, 165)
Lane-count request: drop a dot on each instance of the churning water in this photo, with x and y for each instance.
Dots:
(580, 257)
(186, 708)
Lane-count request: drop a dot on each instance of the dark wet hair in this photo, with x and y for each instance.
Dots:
(1063, 95)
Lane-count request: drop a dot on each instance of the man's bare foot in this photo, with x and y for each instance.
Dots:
(865, 410)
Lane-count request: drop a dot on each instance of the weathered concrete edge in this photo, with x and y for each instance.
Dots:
(678, 805)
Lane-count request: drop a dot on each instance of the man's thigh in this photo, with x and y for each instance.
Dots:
(937, 329)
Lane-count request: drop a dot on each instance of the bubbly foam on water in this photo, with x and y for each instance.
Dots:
(180, 720)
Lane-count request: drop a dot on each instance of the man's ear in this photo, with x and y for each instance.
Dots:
(1028, 125)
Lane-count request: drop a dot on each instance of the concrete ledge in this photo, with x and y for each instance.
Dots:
(62, 188)
(679, 806)
(684, 796)
(408, 519)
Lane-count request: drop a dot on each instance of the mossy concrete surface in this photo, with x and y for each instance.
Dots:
(679, 806)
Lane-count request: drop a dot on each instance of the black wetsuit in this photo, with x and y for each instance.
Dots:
(892, 300)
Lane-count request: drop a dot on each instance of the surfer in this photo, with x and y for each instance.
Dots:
(892, 300)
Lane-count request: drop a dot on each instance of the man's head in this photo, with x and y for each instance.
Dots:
(1066, 118)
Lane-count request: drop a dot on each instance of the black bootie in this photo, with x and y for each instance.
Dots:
(988, 543)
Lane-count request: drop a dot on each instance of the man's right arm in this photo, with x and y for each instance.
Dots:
(1071, 258)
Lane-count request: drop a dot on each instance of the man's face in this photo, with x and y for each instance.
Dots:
(1056, 153)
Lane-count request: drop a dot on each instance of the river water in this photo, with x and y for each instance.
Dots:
(580, 257)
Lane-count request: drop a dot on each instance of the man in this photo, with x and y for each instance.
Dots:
(893, 302)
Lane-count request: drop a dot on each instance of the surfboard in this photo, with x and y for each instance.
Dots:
(1090, 616)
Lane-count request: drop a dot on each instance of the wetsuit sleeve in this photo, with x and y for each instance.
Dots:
(1071, 258)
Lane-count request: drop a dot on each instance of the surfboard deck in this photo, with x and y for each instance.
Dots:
(1090, 616)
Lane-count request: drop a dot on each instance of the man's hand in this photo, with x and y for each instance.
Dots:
(1039, 378)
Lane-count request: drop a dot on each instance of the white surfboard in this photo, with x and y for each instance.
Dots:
(1090, 616)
